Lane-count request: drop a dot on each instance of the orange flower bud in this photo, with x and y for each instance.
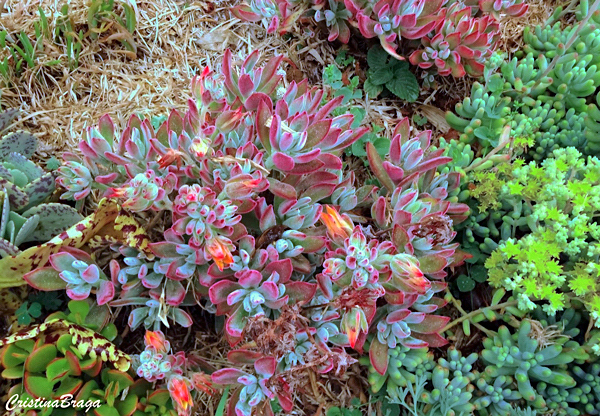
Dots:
(219, 252)
(180, 393)
(339, 226)
(157, 340)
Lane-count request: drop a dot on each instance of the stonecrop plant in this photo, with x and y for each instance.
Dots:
(263, 230)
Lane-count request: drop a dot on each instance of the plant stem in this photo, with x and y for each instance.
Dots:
(475, 313)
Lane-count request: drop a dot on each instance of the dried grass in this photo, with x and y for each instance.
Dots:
(173, 42)
(512, 28)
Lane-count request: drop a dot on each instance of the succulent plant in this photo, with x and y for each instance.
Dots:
(257, 294)
(74, 270)
(496, 395)
(451, 390)
(264, 229)
(588, 382)
(460, 43)
(179, 372)
(26, 184)
(258, 387)
(391, 20)
(39, 223)
(404, 364)
(64, 355)
(519, 356)
(336, 18)
(481, 116)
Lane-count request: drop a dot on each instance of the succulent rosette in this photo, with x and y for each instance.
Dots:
(258, 387)
(460, 43)
(258, 294)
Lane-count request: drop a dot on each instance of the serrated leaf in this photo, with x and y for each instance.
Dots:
(26, 230)
(377, 57)
(371, 89)
(404, 85)
(381, 76)
(21, 142)
(7, 116)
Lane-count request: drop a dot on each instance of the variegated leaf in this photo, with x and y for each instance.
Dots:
(13, 268)
(87, 341)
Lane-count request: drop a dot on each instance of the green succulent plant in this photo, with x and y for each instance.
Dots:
(404, 365)
(541, 93)
(495, 396)
(521, 357)
(65, 355)
(24, 186)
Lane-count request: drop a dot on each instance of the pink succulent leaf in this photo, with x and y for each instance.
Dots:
(285, 401)
(105, 292)
(283, 161)
(220, 291)
(378, 355)
(270, 290)
(243, 357)
(397, 316)
(91, 274)
(431, 324)
(300, 293)
(249, 279)
(227, 376)
(282, 190)
(175, 292)
(282, 267)
(182, 318)
(265, 366)
(432, 340)
(78, 292)
(62, 261)
(236, 322)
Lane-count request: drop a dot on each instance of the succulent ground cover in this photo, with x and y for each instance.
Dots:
(406, 228)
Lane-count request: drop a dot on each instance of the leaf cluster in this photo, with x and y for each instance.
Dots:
(389, 74)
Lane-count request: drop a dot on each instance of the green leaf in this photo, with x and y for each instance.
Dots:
(22, 314)
(478, 273)
(358, 148)
(359, 115)
(127, 406)
(495, 84)
(106, 410)
(381, 76)
(371, 89)
(465, 283)
(38, 386)
(334, 411)
(39, 359)
(221, 407)
(377, 57)
(35, 310)
(382, 145)
(58, 369)
(390, 409)
(404, 85)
